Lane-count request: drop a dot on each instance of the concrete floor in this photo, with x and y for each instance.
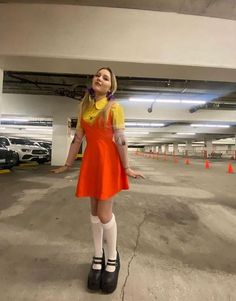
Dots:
(176, 235)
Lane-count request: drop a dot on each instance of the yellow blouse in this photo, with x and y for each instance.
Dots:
(116, 110)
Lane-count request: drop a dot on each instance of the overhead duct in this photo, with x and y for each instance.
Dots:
(214, 106)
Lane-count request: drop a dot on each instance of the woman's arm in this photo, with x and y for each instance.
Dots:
(121, 144)
(73, 151)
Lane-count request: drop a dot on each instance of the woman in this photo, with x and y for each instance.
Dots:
(103, 172)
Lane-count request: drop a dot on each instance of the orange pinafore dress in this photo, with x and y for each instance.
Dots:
(101, 173)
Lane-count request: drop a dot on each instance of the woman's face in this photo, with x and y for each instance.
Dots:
(101, 82)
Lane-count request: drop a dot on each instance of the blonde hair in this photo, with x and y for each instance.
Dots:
(88, 101)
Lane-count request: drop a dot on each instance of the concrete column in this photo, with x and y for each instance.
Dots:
(230, 151)
(1, 87)
(61, 139)
(175, 148)
(159, 149)
(235, 148)
(188, 147)
(209, 147)
(165, 148)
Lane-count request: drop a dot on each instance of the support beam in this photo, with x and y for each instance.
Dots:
(175, 149)
(209, 148)
(188, 148)
(61, 139)
(1, 85)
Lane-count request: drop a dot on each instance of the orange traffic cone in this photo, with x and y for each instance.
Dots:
(187, 161)
(230, 168)
(207, 165)
(175, 160)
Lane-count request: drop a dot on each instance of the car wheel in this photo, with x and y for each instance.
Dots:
(17, 160)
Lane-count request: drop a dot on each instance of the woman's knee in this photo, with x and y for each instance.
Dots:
(104, 210)
(104, 218)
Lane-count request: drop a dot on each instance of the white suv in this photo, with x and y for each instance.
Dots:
(25, 149)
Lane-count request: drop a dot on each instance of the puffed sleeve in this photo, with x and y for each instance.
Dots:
(118, 118)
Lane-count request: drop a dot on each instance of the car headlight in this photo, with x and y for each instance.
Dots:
(25, 150)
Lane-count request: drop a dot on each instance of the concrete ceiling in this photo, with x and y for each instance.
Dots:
(209, 8)
(220, 96)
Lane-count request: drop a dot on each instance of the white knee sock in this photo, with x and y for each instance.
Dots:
(110, 233)
(97, 231)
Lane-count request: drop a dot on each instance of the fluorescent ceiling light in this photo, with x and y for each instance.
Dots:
(131, 123)
(210, 125)
(194, 101)
(15, 119)
(154, 141)
(168, 100)
(38, 129)
(186, 134)
(142, 99)
(163, 100)
(150, 124)
(137, 133)
(157, 124)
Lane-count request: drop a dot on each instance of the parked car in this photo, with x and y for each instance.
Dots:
(45, 144)
(8, 158)
(25, 149)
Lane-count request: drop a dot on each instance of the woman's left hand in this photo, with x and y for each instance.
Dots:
(134, 174)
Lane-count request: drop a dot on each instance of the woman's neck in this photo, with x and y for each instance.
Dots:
(98, 97)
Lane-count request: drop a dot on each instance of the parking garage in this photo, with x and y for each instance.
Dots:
(175, 67)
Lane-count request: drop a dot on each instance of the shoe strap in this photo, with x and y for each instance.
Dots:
(97, 260)
(112, 262)
(115, 264)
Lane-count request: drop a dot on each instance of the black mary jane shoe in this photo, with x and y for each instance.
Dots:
(95, 276)
(110, 279)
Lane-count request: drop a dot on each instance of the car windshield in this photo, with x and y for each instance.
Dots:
(44, 144)
(21, 141)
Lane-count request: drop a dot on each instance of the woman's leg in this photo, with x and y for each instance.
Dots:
(104, 212)
(93, 206)
(97, 230)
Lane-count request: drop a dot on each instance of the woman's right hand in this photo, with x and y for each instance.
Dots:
(60, 169)
(133, 173)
